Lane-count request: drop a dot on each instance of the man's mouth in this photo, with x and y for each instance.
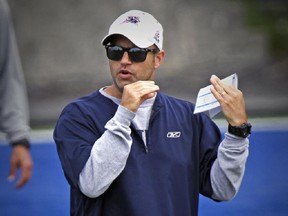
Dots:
(125, 74)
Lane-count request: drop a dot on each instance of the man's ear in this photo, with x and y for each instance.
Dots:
(159, 58)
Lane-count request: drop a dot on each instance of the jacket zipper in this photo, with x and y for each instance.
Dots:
(146, 139)
(141, 134)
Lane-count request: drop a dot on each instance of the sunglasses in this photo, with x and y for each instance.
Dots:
(135, 54)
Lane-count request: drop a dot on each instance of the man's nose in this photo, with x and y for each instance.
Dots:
(125, 58)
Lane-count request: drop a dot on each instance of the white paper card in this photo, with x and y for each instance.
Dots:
(206, 100)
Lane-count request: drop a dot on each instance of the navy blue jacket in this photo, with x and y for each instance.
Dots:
(166, 180)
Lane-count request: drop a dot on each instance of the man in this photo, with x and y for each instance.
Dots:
(13, 100)
(129, 149)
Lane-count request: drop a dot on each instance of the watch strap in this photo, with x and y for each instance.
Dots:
(243, 130)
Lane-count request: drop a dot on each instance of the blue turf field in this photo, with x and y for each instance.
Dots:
(263, 192)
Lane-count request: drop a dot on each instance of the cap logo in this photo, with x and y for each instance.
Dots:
(157, 36)
(132, 19)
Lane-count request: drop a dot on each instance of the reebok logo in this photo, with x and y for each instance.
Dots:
(174, 134)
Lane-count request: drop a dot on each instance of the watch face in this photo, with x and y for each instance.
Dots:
(245, 133)
(246, 130)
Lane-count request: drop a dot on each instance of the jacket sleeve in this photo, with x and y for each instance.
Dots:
(228, 169)
(209, 140)
(108, 156)
(88, 153)
(74, 138)
(14, 103)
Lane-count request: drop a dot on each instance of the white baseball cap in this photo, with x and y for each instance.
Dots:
(139, 27)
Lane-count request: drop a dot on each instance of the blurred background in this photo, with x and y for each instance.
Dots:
(62, 55)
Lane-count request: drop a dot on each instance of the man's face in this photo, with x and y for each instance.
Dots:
(125, 71)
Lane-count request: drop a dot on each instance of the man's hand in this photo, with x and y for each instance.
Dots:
(231, 101)
(20, 159)
(135, 93)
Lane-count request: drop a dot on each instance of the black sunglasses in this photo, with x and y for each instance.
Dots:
(135, 54)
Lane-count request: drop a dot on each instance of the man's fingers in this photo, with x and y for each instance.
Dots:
(25, 175)
(222, 89)
(135, 93)
(22, 161)
(215, 93)
(231, 101)
(12, 171)
(149, 95)
(219, 86)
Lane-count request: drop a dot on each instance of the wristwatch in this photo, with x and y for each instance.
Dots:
(242, 131)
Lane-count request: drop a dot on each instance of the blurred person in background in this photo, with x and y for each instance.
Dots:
(14, 115)
(129, 149)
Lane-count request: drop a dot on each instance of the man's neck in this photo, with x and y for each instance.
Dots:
(112, 91)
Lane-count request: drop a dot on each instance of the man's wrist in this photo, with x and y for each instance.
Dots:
(22, 142)
(243, 130)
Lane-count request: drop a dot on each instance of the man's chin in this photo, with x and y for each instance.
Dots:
(123, 83)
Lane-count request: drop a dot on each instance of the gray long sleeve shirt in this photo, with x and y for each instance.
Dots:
(14, 116)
